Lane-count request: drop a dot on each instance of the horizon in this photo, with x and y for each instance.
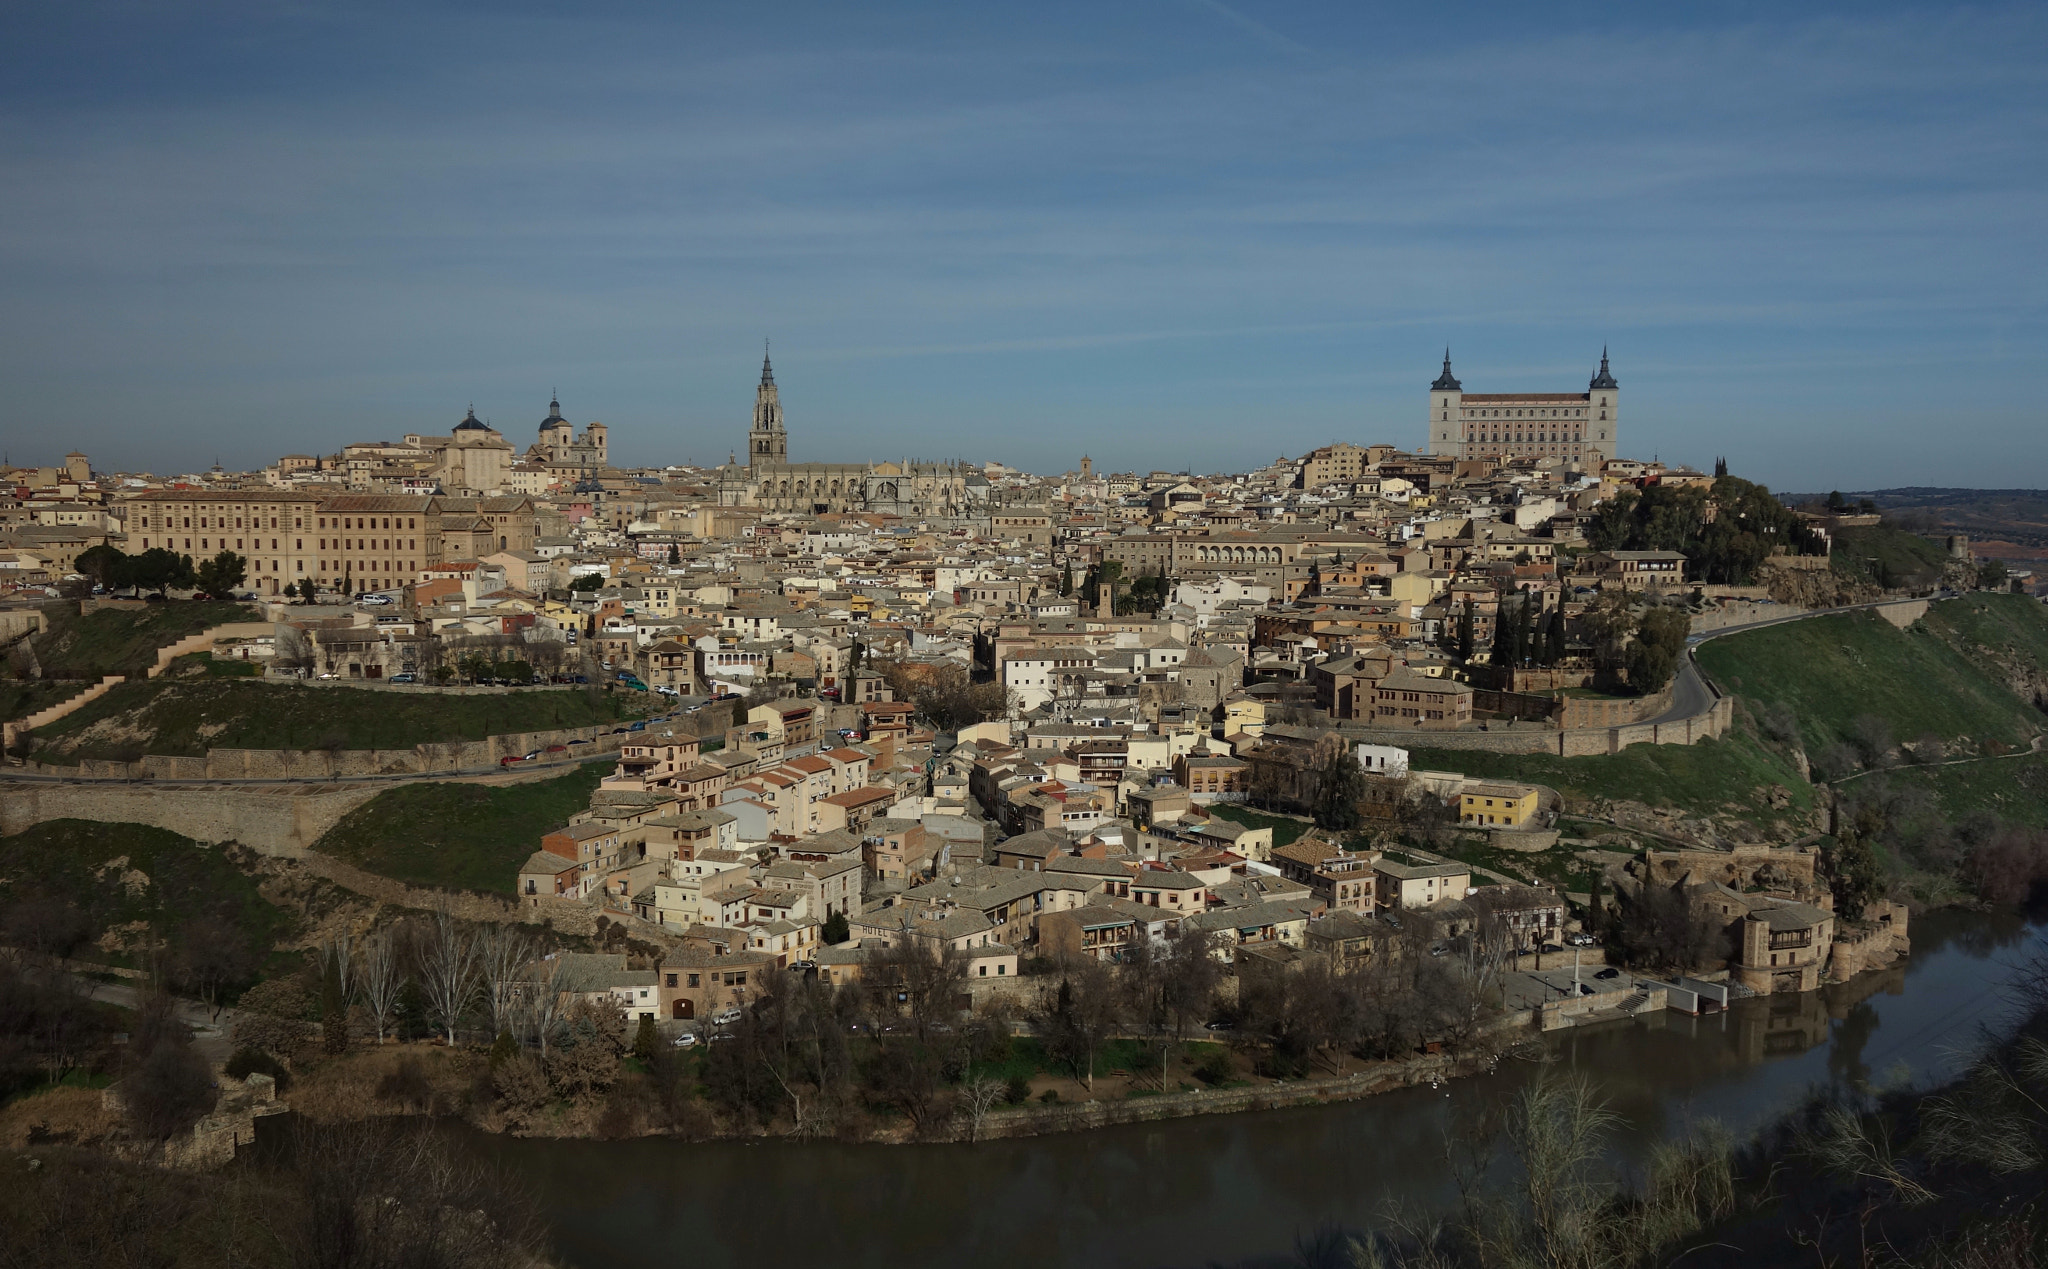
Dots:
(1188, 235)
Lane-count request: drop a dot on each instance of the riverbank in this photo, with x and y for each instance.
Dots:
(1243, 1188)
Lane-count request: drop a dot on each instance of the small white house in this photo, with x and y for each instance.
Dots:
(1383, 760)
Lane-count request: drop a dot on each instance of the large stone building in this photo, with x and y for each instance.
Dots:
(1580, 428)
(770, 481)
(346, 542)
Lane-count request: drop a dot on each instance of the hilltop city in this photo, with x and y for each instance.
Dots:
(931, 737)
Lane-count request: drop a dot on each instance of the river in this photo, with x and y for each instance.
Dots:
(1235, 1187)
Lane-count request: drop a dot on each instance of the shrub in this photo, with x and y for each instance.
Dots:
(1016, 1090)
(247, 1061)
(408, 1085)
(1049, 1096)
(1214, 1068)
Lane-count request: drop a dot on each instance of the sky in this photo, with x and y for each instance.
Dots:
(1180, 234)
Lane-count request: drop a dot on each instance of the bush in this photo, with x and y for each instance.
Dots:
(522, 1086)
(1215, 1067)
(168, 1090)
(408, 1085)
(1016, 1090)
(1049, 1096)
(248, 1061)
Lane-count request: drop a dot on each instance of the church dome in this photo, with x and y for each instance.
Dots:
(554, 417)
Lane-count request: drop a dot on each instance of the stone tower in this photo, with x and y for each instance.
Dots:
(1445, 430)
(1603, 417)
(767, 443)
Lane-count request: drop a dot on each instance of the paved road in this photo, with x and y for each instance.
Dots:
(1690, 695)
(209, 1033)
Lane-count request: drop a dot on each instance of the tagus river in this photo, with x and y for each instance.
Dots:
(1229, 1188)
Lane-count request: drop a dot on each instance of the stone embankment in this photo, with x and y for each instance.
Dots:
(1082, 1116)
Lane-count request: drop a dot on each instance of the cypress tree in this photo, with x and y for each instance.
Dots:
(333, 1008)
(1465, 631)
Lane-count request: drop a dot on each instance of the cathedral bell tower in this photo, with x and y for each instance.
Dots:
(767, 443)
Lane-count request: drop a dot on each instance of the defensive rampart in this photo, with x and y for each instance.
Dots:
(464, 757)
(273, 821)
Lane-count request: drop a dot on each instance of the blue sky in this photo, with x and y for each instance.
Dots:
(1173, 233)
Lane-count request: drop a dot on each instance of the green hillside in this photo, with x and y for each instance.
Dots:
(1733, 776)
(188, 716)
(462, 836)
(132, 879)
(1828, 672)
(21, 697)
(123, 641)
(1888, 557)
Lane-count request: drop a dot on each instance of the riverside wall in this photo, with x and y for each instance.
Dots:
(1084, 1116)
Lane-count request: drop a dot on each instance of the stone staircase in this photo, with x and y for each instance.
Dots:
(204, 641)
(1634, 1004)
(70, 704)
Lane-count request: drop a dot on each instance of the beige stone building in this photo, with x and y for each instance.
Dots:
(1573, 427)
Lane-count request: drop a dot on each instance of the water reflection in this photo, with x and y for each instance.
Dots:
(1229, 1188)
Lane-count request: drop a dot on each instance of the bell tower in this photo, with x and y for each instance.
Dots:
(767, 443)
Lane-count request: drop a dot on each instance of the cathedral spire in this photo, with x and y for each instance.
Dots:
(767, 371)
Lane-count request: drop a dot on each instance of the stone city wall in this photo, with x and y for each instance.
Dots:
(273, 821)
(1574, 743)
(447, 758)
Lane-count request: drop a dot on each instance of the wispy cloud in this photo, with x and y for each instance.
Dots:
(1106, 222)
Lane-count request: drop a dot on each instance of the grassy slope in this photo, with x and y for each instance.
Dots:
(463, 836)
(165, 716)
(1732, 774)
(2014, 789)
(1285, 830)
(186, 882)
(113, 641)
(1892, 556)
(2015, 626)
(1831, 670)
(21, 697)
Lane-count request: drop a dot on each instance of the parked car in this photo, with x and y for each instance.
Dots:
(726, 1017)
(562, 748)
(1608, 973)
(510, 760)
(685, 1040)
(1581, 939)
(532, 757)
(1550, 947)
(405, 678)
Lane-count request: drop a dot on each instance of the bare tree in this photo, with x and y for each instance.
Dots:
(978, 1097)
(450, 977)
(382, 979)
(541, 1005)
(505, 953)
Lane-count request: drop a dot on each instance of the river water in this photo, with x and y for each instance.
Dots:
(1235, 1187)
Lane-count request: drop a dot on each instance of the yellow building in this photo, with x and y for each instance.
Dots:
(1498, 805)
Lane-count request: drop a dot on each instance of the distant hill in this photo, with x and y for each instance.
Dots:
(2015, 515)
